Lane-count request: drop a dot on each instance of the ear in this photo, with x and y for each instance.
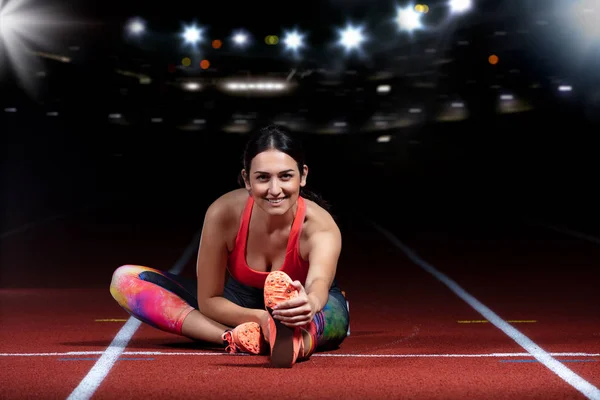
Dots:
(304, 175)
(246, 182)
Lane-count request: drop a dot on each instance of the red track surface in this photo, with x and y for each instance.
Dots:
(56, 278)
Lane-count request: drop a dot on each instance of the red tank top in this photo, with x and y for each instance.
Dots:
(293, 265)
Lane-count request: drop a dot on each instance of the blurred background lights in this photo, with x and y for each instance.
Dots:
(272, 40)
(408, 19)
(216, 44)
(191, 86)
(351, 37)
(240, 38)
(293, 40)
(422, 8)
(493, 59)
(459, 6)
(255, 86)
(583, 16)
(204, 64)
(26, 32)
(186, 62)
(192, 34)
(136, 26)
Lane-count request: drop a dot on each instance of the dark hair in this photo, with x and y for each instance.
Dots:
(278, 138)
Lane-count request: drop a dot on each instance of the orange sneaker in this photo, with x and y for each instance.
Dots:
(286, 343)
(245, 338)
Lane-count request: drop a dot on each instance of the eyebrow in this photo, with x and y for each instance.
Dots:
(266, 173)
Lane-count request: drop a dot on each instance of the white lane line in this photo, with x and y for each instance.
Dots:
(348, 355)
(573, 233)
(88, 386)
(90, 383)
(583, 386)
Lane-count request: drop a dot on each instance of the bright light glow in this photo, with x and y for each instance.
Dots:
(191, 86)
(192, 34)
(408, 19)
(565, 88)
(25, 30)
(136, 26)
(383, 88)
(293, 40)
(583, 15)
(384, 139)
(240, 38)
(351, 37)
(459, 6)
(255, 86)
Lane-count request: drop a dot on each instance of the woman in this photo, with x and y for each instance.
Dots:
(279, 247)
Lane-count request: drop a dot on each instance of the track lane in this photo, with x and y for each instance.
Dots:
(523, 272)
(397, 309)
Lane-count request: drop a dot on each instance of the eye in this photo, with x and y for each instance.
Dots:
(286, 176)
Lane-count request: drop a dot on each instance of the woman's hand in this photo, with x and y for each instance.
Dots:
(298, 311)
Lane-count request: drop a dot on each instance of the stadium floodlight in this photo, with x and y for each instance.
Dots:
(240, 38)
(351, 37)
(192, 34)
(460, 6)
(136, 26)
(25, 33)
(408, 19)
(293, 40)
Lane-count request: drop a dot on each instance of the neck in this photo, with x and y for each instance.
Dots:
(273, 223)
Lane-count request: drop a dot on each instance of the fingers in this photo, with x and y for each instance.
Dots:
(294, 316)
(298, 320)
(292, 303)
(298, 286)
(296, 311)
(292, 312)
(297, 301)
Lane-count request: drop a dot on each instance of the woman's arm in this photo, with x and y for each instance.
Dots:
(211, 267)
(325, 249)
(325, 245)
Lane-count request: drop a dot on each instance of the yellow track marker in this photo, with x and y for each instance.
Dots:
(483, 321)
(111, 320)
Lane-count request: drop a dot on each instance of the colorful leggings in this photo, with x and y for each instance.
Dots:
(163, 300)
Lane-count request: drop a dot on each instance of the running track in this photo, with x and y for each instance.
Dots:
(447, 311)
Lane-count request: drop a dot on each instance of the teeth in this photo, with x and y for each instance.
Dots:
(276, 201)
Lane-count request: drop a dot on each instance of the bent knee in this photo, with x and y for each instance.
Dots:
(125, 272)
(124, 279)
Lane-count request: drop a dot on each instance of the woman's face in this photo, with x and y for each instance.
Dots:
(274, 181)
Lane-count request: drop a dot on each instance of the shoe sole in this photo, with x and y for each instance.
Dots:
(282, 354)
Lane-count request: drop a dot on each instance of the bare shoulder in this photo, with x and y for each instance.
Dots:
(228, 207)
(319, 220)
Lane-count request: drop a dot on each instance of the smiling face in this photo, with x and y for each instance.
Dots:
(274, 181)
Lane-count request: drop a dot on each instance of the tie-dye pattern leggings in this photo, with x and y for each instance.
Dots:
(163, 300)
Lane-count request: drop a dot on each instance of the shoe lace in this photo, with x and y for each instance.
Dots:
(231, 346)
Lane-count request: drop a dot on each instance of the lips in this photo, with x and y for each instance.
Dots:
(276, 201)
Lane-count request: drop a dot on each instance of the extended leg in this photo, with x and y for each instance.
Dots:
(160, 300)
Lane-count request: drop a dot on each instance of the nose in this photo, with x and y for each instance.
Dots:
(274, 188)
